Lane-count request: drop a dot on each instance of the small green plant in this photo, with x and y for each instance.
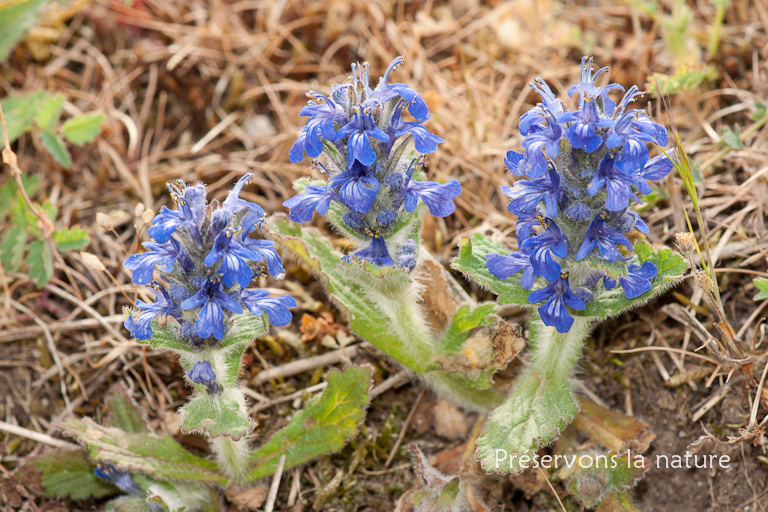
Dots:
(200, 268)
(762, 285)
(40, 112)
(26, 243)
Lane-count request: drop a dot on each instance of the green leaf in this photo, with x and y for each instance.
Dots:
(9, 192)
(19, 112)
(122, 411)
(56, 148)
(14, 23)
(83, 128)
(158, 456)
(40, 263)
(731, 137)
(13, 247)
(69, 473)
(436, 492)
(533, 415)
(464, 321)
(762, 285)
(49, 111)
(759, 112)
(216, 415)
(621, 502)
(591, 485)
(608, 303)
(68, 239)
(323, 426)
(471, 262)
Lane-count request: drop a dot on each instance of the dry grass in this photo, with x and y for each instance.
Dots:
(211, 90)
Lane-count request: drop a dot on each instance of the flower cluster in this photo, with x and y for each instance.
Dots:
(206, 259)
(573, 211)
(370, 153)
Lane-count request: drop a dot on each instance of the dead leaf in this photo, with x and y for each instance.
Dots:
(612, 429)
(249, 499)
(449, 420)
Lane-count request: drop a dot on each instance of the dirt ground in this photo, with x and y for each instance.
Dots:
(233, 74)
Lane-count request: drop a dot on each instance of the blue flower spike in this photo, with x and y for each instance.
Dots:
(580, 171)
(201, 263)
(365, 146)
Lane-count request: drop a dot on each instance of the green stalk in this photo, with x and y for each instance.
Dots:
(232, 456)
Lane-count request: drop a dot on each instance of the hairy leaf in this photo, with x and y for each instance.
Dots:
(128, 504)
(13, 246)
(40, 263)
(464, 321)
(122, 411)
(435, 492)
(471, 262)
(84, 128)
(157, 456)
(216, 415)
(56, 148)
(605, 476)
(323, 426)
(68, 239)
(49, 111)
(69, 473)
(533, 415)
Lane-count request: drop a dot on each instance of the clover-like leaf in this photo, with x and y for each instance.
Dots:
(56, 148)
(216, 415)
(323, 426)
(68, 239)
(156, 455)
(83, 128)
(471, 262)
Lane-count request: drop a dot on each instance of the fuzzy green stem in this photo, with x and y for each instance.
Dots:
(554, 355)
(232, 456)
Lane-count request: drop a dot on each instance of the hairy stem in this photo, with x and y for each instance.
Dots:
(554, 355)
(232, 456)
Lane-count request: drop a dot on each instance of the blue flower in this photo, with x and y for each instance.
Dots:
(234, 204)
(141, 327)
(322, 113)
(424, 141)
(265, 251)
(315, 197)
(557, 295)
(202, 373)
(604, 238)
(657, 168)
(504, 266)
(376, 253)
(357, 187)
(191, 209)
(634, 153)
(525, 195)
(513, 162)
(214, 300)
(541, 248)
(549, 108)
(234, 266)
(587, 86)
(437, 196)
(143, 265)
(524, 225)
(385, 91)
(359, 131)
(538, 146)
(636, 282)
(581, 134)
(121, 479)
(258, 302)
(617, 185)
